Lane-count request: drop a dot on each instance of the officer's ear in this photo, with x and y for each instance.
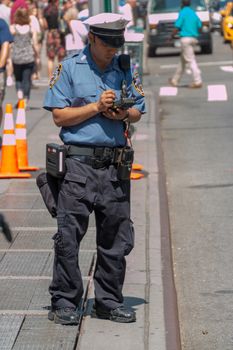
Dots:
(91, 38)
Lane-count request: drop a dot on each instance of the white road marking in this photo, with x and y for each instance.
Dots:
(227, 69)
(217, 93)
(201, 64)
(168, 91)
(141, 137)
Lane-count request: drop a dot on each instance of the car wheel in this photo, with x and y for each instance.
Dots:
(151, 51)
(207, 49)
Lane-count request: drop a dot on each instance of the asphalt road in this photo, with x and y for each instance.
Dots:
(197, 141)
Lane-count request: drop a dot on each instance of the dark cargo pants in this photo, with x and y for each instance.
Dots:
(84, 190)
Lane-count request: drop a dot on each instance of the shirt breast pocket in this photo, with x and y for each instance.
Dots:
(84, 93)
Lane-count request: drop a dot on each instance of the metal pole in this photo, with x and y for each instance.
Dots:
(95, 7)
(99, 6)
(115, 6)
(107, 6)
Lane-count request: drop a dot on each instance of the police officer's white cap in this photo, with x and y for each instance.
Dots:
(111, 21)
(109, 27)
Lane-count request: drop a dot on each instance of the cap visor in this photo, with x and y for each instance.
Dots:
(113, 42)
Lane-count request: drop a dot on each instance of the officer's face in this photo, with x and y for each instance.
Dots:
(101, 51)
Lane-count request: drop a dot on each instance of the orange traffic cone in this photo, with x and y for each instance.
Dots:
(137, 166)
(21, 139)
(136, 176)
(9, 163)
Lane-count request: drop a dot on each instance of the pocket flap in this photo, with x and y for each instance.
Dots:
(41, 180)
(75, 178)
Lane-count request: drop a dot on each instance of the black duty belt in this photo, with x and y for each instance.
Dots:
(97, 157)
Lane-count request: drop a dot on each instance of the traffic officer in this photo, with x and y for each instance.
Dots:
(81, 97)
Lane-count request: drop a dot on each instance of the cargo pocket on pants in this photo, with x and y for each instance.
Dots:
(49, 189)
(62, 245)
(74, 185)
(130, 239)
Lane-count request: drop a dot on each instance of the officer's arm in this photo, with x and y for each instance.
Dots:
(70, 116)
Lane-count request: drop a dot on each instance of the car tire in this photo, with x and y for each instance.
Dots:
(207, 49)
(151, 51)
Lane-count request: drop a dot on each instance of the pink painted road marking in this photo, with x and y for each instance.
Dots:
(217, 93)
(168, 91)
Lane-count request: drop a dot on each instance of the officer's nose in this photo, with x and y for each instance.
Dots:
(112, 50)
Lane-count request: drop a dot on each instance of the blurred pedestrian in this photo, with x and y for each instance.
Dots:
(84, 12)
(5, 40)
(5, 10)
(81, 5)
(17, 4)
(36, 27)
(127, 10)
(5, 13)
(55, 43)
(24, 53)
(99, 158)
(188, 25)
(76, 39)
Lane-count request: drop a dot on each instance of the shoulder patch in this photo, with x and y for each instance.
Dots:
(55, 76)
(137, 83)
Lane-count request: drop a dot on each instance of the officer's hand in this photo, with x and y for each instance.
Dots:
(106, 100)
(118, 114)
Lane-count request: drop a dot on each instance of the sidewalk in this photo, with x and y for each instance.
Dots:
(26, 264)
(143, 285)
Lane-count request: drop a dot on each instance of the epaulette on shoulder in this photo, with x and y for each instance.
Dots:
(71, 56)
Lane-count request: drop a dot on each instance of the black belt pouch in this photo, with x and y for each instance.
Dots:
(49, 187)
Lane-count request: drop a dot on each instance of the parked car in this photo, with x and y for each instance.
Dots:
(161, 17)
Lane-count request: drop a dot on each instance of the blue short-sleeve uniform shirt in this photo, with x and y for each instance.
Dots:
(77, 82)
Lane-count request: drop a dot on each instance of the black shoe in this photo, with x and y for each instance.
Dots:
(120, 314)
(65, 316)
